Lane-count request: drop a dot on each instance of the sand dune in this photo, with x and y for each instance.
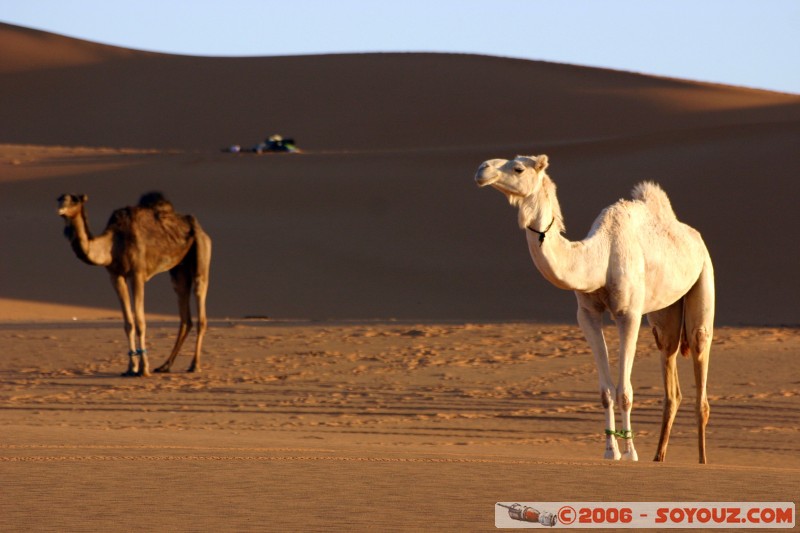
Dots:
(416, 368)
(383, 197)
(344, 102)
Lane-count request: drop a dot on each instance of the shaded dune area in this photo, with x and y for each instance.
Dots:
(381, 201)
(379, 217)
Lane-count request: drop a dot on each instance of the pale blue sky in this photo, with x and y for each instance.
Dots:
(751, 43)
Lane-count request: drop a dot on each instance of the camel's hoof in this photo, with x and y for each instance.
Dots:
(129, 374)
(630, 456)
(162, 370)
(193, 370)
(612, 454)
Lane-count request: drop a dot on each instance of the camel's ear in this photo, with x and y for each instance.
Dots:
(84, 198)
(541, 163)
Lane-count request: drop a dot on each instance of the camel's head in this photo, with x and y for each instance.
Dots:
(516, 178)
(70, 205)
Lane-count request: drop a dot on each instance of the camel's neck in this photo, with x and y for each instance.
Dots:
(541, 209)
(566, 264)
(89, 249)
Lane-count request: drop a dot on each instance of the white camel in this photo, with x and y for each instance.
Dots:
(637, 259)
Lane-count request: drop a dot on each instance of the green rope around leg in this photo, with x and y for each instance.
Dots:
(622, 434)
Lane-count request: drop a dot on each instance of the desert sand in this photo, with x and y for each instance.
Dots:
(382, 353)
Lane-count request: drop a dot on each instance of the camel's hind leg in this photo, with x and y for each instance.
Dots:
(667, 327)
(202, 269)
(182, 283)
(698, 334)
(201, 289)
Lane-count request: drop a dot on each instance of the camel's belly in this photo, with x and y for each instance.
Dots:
(665, 287)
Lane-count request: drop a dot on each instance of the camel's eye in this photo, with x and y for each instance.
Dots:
(519, 169)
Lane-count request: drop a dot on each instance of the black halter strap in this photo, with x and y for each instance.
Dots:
(542, 233)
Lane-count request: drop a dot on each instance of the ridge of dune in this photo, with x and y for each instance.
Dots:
(12, 310)
(21, 310)
(27, 49)
(116, 97)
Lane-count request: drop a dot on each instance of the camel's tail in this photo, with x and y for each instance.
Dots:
(654, 198)
(202, 246)
(194, 224)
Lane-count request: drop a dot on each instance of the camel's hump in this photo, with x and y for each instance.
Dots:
(155, 200)
(654, 198)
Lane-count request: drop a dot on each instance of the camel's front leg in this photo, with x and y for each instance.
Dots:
(628, 325)
(591, 322)
(121, 288)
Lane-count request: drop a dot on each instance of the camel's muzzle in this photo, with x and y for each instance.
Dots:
(486, 175)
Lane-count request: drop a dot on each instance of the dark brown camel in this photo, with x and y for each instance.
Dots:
(138, 243)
